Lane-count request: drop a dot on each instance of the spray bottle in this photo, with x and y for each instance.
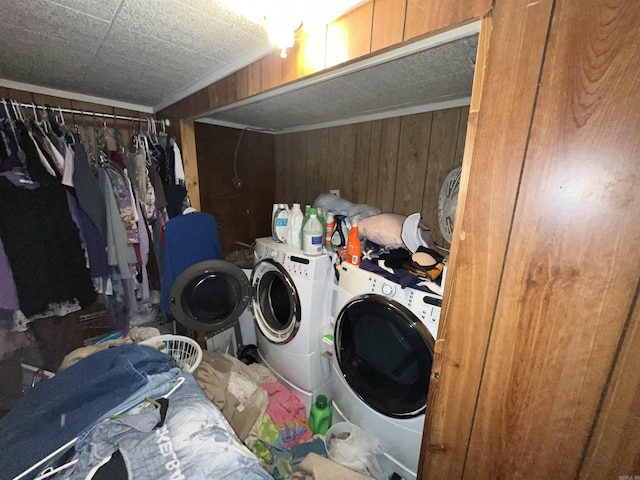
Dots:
(329, 228)
(354, 247)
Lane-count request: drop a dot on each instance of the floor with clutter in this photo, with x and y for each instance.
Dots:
(321, 373)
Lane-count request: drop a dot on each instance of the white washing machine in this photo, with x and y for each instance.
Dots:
(383, 353)
(291, 303)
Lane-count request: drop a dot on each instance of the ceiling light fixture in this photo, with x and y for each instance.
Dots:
(282, 18)
(281, 27)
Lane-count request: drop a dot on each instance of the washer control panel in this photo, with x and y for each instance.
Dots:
(295, 262)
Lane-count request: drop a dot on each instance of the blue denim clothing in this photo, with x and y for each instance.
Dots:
(195, 442)
(61, 408)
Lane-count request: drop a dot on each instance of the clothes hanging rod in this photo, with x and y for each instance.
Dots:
(164, 121)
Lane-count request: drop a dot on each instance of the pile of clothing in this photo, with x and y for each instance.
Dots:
(123, 412)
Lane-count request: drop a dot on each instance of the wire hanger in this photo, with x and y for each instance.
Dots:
(16, 111)
(6, 109)
(44, 118)
(10, 121)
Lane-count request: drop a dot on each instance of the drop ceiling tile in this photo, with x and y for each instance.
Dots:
(188, 28)
(122, 45)
(38, 73)
(443, 60)
(216, 10)
(333, 91)
(358, 106)
(129, 78)
(53, 20)
(137, 88)
(102, 9)
(61, 65)
(458, 84)
(387, 75)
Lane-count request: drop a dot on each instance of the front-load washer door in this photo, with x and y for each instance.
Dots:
(275, 302)
(210, 295)
(385, 354)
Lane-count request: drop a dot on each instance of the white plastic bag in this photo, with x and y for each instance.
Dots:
(329, 202)
(348, 445)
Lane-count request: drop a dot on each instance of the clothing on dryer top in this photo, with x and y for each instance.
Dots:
(189, 239)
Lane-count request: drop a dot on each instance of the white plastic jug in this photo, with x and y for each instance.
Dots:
(295, 225)
(279, 223)
(313, 236)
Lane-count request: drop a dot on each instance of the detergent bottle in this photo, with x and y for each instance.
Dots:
(305, 219)
(353, 244)
(320, 416)
(279, 223)
(313, 235)
(294, 227)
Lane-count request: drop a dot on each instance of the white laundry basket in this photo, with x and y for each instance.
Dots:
(184, 350)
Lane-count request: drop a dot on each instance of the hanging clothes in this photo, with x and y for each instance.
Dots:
(94, 222)
(42, 245)
(10, 154)
(85, 180)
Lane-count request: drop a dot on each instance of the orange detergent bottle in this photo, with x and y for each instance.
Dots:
(353, 244)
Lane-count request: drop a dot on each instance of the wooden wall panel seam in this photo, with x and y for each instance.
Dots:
(404, 22)
(426, 170)
(610, 376)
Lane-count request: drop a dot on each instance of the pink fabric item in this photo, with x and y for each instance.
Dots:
(384, 229)
(288, 413)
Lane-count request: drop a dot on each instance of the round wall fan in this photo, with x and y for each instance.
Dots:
(447, 203)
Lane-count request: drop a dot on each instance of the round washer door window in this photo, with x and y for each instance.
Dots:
(385, 354)
(276, 304)
(209, 295)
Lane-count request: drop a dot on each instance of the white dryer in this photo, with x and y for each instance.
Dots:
(291, 303)
(383, 352)
(212, 296)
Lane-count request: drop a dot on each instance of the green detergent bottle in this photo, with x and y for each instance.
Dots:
(320, 416)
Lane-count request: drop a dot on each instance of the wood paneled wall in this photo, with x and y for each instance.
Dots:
(397, 164)
(536, 371)
(242, 214)
(88, 125)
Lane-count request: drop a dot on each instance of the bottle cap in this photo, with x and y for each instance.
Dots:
(321, 401)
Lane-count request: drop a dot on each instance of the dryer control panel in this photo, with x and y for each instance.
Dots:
(424, 305)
